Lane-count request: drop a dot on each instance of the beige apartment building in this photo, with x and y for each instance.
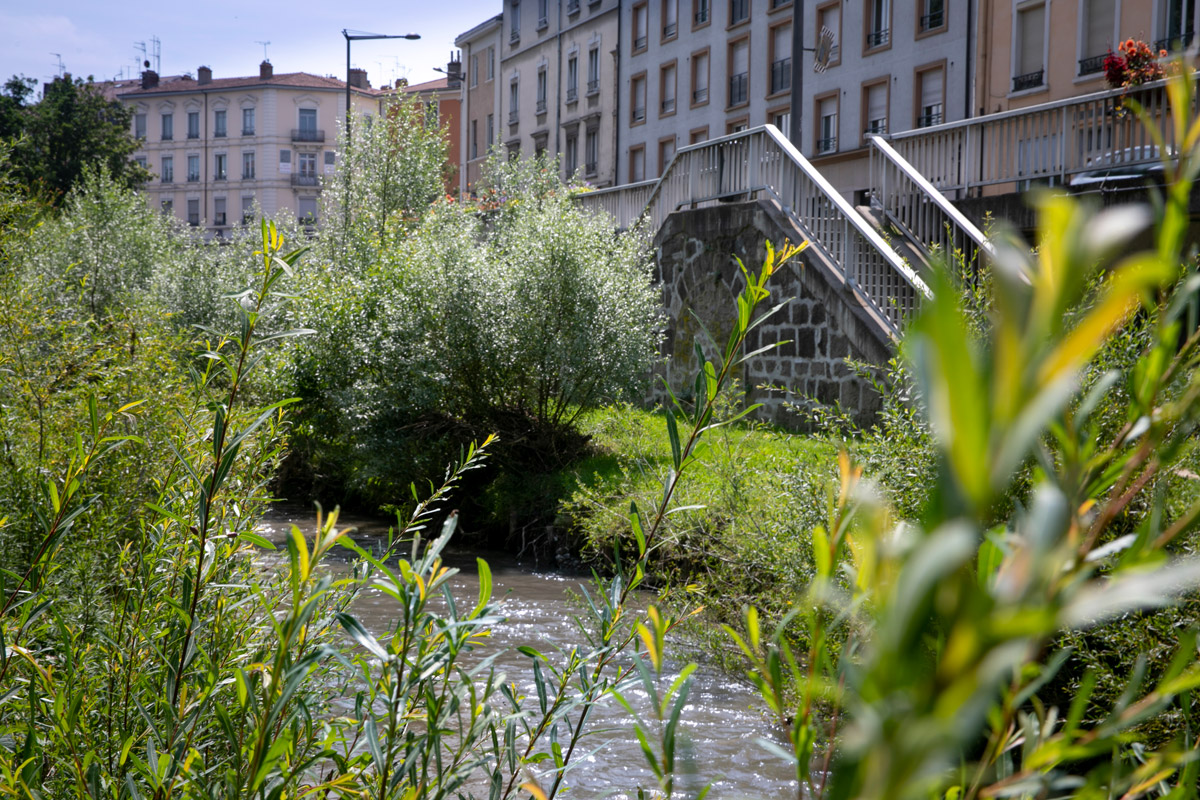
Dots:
(219, 148)
(480, 48)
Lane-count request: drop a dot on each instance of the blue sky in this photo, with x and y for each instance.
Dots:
(96, 37)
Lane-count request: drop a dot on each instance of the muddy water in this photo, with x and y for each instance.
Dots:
(722, 722)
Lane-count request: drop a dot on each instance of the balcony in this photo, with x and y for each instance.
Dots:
(879, 38)
(193, 134)
(668, 106)
(307, 135)
(593, 86)
(1030, 80)
(700, 96)
(1090, 66)
(247, 131)
(513, 117)
(572, 95)
(305, 180)
(1168, 43)
(827, 145)
(541, 106)
(193, 177)
(781, 75)
(739, 88)
(933, 21)
(166, 137)
(876, 126)
(669, 30)
(929, 120)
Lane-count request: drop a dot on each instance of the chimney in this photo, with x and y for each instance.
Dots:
(454, 70)
(204, 75)
(149, 79)
(358, 79)
(265, 70)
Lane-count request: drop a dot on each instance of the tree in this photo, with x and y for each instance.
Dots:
(73, 126)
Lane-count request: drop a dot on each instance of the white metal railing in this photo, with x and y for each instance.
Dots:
(913, 204)
(1048, 143)
(625, 204)
(761, 161)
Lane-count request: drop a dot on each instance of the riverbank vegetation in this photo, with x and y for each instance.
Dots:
(992, 593)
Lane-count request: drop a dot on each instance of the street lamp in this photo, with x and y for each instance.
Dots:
(352, 36)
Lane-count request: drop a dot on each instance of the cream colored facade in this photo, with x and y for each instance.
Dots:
(480, 49)
(220, 149)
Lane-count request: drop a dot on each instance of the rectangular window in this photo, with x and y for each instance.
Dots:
(1099, 23)
(543, 14)
(701, 13)
(781, 58)
(1177, 26)
(637, 101)
(739, 11)
(247, 122)
(307, 165)
(193, 124)
(542, 85)
(474, 139)
(829, 17)
(700, 78)
(593, 70)
(739, 73)
(139, 126)
(571, 161)
(330, 162)
(168, 207)
(218, 211)
(931, 87)
(698, 135)
(514, 33)
(572, 79)
(879, 23)
(219, 160)
(491, 63)
(490, 138)
(219, 126)
(782, 120)
(666, 89)
(285, 162)
(247, 165)
(193, 173)
(247, 209)
(933, 15)
(591, 151)
(1030, 69)
(141, 162)
(666, 151)
(641, 27)
(194, 211)
(308, 124)
(474, 71)
(308, 210)
(514, 98)
(670, 16)
(168, 127)
(827, 124)
(875, 101)
(637, 164)
(168, 169)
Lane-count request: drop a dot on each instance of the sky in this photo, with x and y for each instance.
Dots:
(98, 37)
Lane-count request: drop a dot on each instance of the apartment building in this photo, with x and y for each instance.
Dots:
(892, 67)
(692, 70)
(219, 147)
(480, 48)
(441, 102)
(1037, 51)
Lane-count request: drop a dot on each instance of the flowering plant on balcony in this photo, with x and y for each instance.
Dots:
(1133, 64)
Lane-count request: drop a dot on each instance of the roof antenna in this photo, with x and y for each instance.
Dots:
(264, 44)
(59, 64)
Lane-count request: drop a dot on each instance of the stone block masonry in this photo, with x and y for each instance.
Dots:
(821, 325)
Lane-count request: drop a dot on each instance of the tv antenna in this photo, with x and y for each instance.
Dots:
(140, 47)
(156, 53)
(59, 65)
(264, 44)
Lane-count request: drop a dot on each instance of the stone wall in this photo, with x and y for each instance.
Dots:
(821, 324)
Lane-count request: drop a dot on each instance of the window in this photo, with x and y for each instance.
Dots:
(308, 210)
(737, 125)
(139, 126)
(330, 162)
(542, 83)
(539, 144)
(193, 172)
(247, 165)
(879, 20)
(830, 16)
(933, 15)
(666, 150)
(491, 63)
(168, 169)
(141, 162)
(219, 162)
(781, 58)
(514, 33)
(637, 102)
(782, 120)
(218, 211)
(931, 88)
(666, 89)
(701, 13)
(1177, 25)
(875, 107)
(168, 207)
(670, 16)
(641, 26)
(827, 124)
(514, 97)
(168, 127)
(307, 164)
(698, 135)
(474, 139)
(739, 73)
(637, 163)
(543, 14)
(193, 124)
(247, 209)
(490, 138)
(1030, 69)
(572, 79)
(1099, 29)
(591, 151)
(699, 78)
(219, 127)
(739, 11)
(285, 162)
(308, 125)
(474, 71)
(194, 211)
(593, 70)
(571, 161)
(247, 122)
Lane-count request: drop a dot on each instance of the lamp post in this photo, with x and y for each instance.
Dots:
(353, 36)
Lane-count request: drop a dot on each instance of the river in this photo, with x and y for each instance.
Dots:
(722, 722)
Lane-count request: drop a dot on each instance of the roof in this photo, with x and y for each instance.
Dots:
(484, 27)
(296, 80)
(427, 86)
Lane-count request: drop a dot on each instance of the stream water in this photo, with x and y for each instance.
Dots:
(722, 721)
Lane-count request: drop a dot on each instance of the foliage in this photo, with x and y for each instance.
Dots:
(72, 127)
(1133, 64)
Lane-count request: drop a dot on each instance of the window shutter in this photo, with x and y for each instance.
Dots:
(1032, 31)
(1099, 16)
(876, 103)
(931, 89)
(783, 42)
(741, 58)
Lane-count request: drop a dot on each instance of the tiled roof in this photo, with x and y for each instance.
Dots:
(298, 80)
(427, 86)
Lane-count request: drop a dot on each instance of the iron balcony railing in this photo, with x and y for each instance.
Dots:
(1176, 41)
(541, 106)
(931, 21)
(513, 117)
(193, 134)
(876, 126)
(668, 105)
(307, 135)
(781, 75)
(305, 180)
(514, 36)
(700, 95)
(543, 23)
(593, 86)
(878, 38)
(701, 16)
(670, 29)
(572, 95)
(929, 120)
(247, 131)
(638, 113)
(1030, 80)
(739, 86)
(1090, 66)
(827, 145)
(640, 42)
(221, 134)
